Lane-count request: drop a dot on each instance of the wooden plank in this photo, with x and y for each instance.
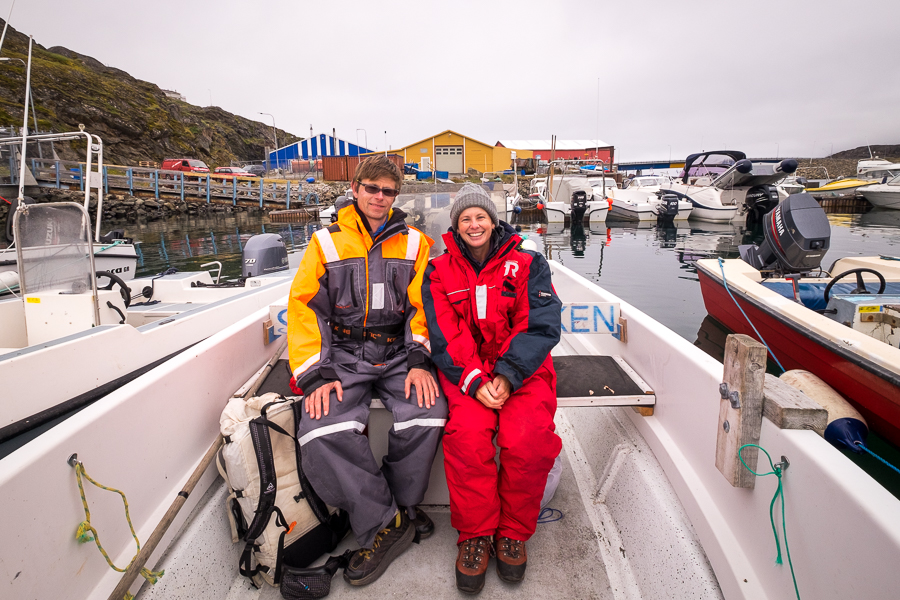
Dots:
(644, 411)
(745, 369)
(789, 408)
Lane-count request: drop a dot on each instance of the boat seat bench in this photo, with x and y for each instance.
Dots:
(581, 381)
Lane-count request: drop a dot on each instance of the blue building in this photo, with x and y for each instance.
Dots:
(314, 148)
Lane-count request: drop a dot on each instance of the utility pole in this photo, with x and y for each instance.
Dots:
(274, 135)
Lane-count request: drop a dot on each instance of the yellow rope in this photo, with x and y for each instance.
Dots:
(86, 532)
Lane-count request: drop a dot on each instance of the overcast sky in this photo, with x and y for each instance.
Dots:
(796, 78)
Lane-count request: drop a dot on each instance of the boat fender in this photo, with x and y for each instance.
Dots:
(846, 427)
(540, 206)
(9, 280)
(743, 166)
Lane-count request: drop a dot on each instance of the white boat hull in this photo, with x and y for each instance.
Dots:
(714, 214)
(120, 259)
(92, 361)
(880, 195)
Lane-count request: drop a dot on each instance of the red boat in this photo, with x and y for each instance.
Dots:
(850, 340)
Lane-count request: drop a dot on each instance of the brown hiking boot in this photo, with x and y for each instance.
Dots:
(472, 563)
(511, 559)
(368, 564)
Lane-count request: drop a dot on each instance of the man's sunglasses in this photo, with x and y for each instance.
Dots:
(374, 189)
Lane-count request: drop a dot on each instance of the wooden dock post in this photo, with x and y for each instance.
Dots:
(741, 408)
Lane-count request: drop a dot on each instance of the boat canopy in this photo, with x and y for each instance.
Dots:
(711, 164)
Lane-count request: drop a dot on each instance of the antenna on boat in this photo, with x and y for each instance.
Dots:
(25, 126)
(5, 25)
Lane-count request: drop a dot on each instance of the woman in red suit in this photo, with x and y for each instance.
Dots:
(493, 317)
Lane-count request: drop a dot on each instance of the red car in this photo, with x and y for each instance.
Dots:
(230, 172)
(188, 165)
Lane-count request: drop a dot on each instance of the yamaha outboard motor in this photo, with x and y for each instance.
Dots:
(579, 206)
(668, 210)
(264, 253)
(797, 235)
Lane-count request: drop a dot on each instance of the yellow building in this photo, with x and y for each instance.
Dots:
(455, 153)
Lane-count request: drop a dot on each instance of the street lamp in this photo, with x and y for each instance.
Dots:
(385, 142)
(275, 135)
(365, 140)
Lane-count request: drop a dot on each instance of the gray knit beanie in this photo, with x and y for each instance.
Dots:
(471, 195)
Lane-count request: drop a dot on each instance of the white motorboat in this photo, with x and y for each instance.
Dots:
(723, 184)
(572, 197)
(640, 200)
(113, 252)
(64, 342)
(883, 195)
(645, 512)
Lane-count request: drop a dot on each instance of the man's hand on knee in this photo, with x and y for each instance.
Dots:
(317, 402)
(426, 386)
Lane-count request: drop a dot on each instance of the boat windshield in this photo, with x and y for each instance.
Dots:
(54, 242)
(647, 181)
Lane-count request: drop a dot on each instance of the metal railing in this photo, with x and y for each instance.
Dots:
(208, 187)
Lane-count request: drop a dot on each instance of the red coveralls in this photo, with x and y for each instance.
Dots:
(502, 320)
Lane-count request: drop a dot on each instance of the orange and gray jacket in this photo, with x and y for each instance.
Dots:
(350, 282)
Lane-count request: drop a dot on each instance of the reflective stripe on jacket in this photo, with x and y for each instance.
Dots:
(346, 277)
(503, 320)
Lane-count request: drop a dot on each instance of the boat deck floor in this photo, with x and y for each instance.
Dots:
(564, 561)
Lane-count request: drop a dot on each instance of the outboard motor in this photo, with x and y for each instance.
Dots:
(668, 209)
(797, 235)
(760, 200)
(579, 206)
(13, 205)
(116, 234)
(264, 253)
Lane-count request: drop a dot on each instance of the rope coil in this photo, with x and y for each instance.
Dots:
(86, 533)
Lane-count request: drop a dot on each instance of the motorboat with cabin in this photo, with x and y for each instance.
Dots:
(723, 185)
(66, 341)
(883, 195)
(641, 200)
(842, 324)
(571, 196)
(642, 509)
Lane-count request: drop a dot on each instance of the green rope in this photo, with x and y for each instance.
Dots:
(113, 243)
(86, 532)
(777, 470)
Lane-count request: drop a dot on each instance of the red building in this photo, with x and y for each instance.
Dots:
(565, 149)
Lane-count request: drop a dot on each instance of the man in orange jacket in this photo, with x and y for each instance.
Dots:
(356, 324)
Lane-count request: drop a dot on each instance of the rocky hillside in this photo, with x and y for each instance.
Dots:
(863, 152)
(135, 119)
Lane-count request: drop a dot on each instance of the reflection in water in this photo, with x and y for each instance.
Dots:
(648, 265)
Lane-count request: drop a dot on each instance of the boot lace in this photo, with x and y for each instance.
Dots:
(367, 553)
(474, 550)
(510, 547)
